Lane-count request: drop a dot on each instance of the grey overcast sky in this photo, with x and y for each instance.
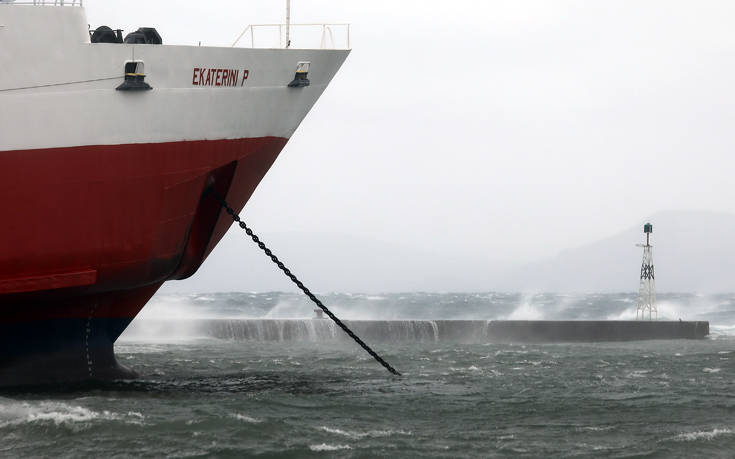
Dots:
(503, 129)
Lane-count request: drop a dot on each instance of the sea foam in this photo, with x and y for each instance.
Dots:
(703, 435)
(326, 447)
(18, 413)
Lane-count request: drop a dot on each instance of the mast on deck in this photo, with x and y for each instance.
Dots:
(288, 23)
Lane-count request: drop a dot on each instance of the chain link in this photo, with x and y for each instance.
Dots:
(231, 212)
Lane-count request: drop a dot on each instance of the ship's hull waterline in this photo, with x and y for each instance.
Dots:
(104, 191)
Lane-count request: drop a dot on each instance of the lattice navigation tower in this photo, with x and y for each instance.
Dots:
(647, 292)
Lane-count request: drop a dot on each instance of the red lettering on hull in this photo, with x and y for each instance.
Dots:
(228, 78)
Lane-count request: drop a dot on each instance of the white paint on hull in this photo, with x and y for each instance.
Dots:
(44, 50)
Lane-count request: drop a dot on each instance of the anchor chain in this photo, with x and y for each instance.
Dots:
(231, 212)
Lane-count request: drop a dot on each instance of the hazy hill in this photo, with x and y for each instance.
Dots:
(693, 252)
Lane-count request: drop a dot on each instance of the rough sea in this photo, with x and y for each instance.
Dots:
(257, 388)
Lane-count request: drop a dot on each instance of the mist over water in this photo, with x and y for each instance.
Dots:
(271, 315)
(430, 306)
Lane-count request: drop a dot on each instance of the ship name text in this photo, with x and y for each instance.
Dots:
(220, 77)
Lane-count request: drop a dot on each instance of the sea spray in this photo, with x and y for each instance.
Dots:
(177, 316)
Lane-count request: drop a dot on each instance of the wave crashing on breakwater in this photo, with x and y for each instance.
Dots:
(401, 317)
(313, 330)
(421, 331)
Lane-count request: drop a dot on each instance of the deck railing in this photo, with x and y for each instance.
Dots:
(45, 2)
(333, 36)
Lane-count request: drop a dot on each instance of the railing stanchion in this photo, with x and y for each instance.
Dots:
(327, 34)
(288, 23)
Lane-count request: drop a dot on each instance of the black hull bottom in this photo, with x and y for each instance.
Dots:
(60, 351)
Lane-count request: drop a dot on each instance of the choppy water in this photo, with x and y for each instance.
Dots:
(202, 396)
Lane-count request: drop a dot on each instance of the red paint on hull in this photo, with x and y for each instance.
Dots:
(134, 214)
(48, 282)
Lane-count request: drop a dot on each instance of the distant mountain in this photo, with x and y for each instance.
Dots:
(692, 252)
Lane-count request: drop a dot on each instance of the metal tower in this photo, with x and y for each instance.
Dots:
(647, 291)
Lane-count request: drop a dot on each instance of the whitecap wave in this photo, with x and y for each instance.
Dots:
(358, 435)
(14, 413)
(526, 311)
(703, 435)
(722, 331)
(246, 418)
(667, 310)
(326, 447)
(594, 428)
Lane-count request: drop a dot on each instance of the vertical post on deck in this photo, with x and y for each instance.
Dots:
(288, 23)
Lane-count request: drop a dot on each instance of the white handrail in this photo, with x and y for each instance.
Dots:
(327, 31)
(45, 3)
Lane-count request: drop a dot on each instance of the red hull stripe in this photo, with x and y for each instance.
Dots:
(48, 282)
(123, 210)
(92, 232)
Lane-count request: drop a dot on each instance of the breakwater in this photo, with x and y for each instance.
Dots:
(459, 331)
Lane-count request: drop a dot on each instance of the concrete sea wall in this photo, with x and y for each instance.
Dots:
(460, 331)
